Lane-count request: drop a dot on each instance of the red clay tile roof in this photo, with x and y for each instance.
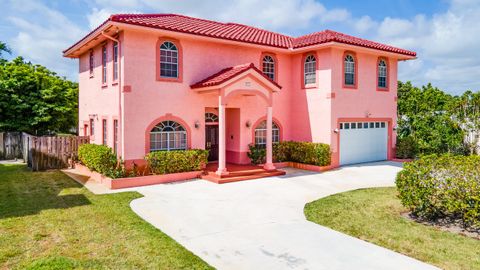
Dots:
(242, 33)
(227, 74)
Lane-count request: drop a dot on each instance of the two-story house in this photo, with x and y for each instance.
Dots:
(153, 82)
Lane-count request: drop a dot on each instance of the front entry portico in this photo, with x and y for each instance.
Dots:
(233, 84)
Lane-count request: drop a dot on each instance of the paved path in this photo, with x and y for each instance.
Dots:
(260, 224)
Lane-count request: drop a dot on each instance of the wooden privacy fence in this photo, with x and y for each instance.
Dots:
(11, 145)
(46, 152)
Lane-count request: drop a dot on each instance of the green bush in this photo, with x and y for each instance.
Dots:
(437, 186)
(163, 162)
(406, 147)
(99, 158)
(302, 152)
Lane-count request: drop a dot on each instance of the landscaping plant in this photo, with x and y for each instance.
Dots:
(439, 186)
(164, 162)
(301, 152)
(100, 158)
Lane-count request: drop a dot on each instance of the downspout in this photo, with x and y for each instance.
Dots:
(120, 117)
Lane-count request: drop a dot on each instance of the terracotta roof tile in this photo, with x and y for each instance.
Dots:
(242, 33)
(227, 74)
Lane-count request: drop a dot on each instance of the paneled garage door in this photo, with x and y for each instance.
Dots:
(363, 142)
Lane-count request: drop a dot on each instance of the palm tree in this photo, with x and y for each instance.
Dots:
(4, 48)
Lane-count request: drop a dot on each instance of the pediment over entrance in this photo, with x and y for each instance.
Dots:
(243, 78)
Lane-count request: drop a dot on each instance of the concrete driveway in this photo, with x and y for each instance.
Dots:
(260, 224)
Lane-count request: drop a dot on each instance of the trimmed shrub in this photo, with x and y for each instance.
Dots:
(406, 147)
(438, 186)
(99, 158)
(256, 154)
(163, 162)
(302, 152)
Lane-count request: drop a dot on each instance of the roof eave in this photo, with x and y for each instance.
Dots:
(70, 52)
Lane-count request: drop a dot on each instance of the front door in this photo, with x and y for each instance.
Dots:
(211, 141)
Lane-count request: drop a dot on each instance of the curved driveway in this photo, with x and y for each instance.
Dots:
(260, 224)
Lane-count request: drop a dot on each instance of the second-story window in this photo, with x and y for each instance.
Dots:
(382, 74)
(104, 64)
(309, 70)
(91, 65)
(104, 132)
(115, 61)
(269, 67)
(168, 60)
(349, 69)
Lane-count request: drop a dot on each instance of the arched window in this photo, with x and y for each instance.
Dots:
(168, 60)
(382, 74)
(211, 118)
(168, 135)
(269, 66)
(349, 70)
(309, 70)
(261, 133)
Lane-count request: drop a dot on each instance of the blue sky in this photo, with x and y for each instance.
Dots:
(444, 33)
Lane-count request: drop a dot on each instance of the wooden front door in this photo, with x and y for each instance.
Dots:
(211, 141)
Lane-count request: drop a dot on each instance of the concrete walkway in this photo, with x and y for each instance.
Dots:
(260, 224)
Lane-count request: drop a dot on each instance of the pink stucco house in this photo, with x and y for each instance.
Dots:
(164, 81)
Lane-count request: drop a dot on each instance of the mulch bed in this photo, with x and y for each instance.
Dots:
(446, 224)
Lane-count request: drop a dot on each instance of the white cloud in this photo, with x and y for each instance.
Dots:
(42, 35)
(446, 43)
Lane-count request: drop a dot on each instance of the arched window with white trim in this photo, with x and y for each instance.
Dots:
(310, 70)
(268, 65)
(168, 135)
(168, 60)
(382, 74)
(261, 133)
(349, 70)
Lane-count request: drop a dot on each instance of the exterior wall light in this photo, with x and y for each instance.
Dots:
(197, 124)
(248, 124)
(336, 130)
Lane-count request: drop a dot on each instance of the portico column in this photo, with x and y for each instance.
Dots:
(269, 160)
(222, 170)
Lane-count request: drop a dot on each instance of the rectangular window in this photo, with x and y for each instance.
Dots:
(349, 73)
(382, 124)
(92, 127)
(104, 135)
(372, 125)
(85, 130)
(341, 125)
(377, 124)
(347, 125)
(353, 125)
(365, 125)
(104, 65)
(115, 61)
(91, 64)
(115, 136)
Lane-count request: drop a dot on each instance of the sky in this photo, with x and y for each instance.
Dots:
(444, 33)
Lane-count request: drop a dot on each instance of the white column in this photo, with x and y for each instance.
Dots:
(222, 170)
(269, 160)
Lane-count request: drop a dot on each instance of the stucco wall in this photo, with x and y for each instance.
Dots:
(150, 99)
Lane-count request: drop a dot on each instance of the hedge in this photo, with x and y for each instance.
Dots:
(99, 158)
(406, 147)
(302, 152)
(438, 186)
(163, 162)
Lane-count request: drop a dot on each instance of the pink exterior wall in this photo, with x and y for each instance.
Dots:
(305, 114)
(150, 99)
(96, 98)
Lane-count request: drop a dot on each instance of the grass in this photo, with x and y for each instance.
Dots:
(374, 215)
(48, 221)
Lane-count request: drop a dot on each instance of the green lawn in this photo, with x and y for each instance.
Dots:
(48, 221)
(374, 215)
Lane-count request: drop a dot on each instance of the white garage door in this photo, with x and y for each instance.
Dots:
(363, 142)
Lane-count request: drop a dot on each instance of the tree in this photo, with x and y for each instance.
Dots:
(4, 48)
(35, 100)
(426, 117)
